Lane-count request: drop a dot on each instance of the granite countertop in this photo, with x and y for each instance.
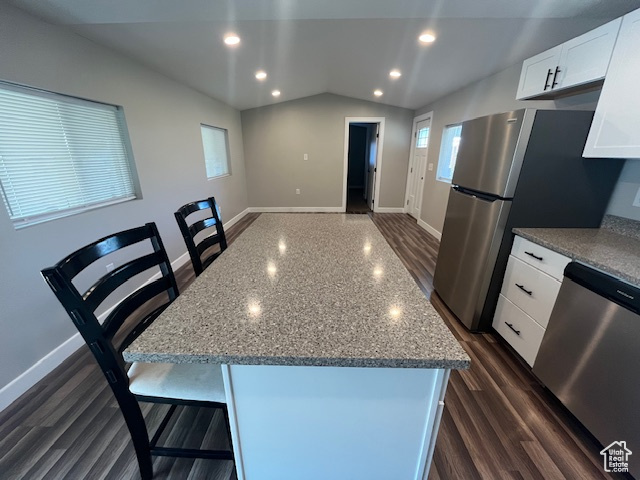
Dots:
(614, 248)
(304, 289)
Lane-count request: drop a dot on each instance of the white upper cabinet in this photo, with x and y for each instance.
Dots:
(582, 60)
(615, 132)
(537, 73)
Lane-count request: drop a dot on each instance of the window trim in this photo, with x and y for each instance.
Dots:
(228, 151)
(24, 222)
(440, 178)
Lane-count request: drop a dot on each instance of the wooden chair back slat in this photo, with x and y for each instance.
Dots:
(126, 307)
(202, 225)
(85, 256)
(107, 284)
(190, 231)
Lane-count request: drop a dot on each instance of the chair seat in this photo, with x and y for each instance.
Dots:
(184, 381)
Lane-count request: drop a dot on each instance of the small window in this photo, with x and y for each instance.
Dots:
(216, 151)
(60, 155)
(449, 152)
(423, 138)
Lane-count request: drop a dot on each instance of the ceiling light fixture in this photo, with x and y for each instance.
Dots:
(276, 93)
(261, 74)
(231, 39)
(377, 93)
(427, 38)
(395, 73)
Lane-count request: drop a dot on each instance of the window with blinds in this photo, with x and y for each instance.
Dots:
(216, 151)
(60, 155)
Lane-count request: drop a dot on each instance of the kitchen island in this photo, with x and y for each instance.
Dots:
(335, 364)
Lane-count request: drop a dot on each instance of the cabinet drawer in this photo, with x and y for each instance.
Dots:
(532, 290)
(529, 334)
(542, 258)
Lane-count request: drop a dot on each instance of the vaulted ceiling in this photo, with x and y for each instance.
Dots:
(345, 47)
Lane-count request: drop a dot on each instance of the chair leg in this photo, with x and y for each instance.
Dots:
(227, 423)
(143, 453)
(138, 430)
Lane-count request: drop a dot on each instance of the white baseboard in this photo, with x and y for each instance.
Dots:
(19, 385)
(430, 229)
(23, 382)
(296, 209)
(230, 223)
(388, 210)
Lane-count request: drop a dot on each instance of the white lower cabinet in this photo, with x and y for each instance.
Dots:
(532, 290)
(519, 329)
(529, 291)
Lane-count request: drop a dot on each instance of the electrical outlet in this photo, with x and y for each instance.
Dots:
(306, 156)
(431, 167)
(297, 191)
(636, 201)
(110, 267)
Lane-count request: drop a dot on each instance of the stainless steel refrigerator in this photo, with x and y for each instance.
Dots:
(516, 169)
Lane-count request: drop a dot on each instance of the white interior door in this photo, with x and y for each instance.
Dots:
(417, 167)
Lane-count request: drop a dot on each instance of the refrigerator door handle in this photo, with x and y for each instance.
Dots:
(475, 194)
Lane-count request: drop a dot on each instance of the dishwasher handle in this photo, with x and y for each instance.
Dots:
(614, 289)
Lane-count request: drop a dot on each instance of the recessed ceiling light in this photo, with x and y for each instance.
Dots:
(231, 39)
(377, 93)
(276, 93)
(395, 73)
(261, 74)
(427, 38)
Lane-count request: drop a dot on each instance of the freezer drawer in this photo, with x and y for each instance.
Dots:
(469, 246)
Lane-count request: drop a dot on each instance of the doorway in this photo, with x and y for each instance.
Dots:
(417, 164)
(363, 145)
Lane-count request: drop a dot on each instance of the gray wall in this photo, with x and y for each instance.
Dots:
(164, 125)
(277, 136)
(493, 94)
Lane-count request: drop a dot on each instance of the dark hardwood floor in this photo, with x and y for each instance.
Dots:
(498, 421)
(356, 202)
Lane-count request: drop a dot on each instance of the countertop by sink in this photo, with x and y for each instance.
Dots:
(614, 248)
(304, 289)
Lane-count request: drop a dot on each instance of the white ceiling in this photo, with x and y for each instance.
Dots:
(345, 47)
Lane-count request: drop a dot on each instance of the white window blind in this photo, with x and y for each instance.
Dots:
(60, 155)
(216, 151)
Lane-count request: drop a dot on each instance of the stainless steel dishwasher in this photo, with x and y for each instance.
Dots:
(590, 356)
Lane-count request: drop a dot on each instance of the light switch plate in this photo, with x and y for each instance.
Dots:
(636, 201)
(431, 167)
(306, 156)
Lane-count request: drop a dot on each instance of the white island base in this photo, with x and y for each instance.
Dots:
(321, 423)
